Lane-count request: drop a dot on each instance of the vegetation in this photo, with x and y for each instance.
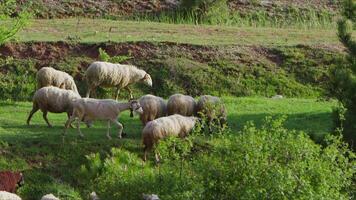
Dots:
(292, 72)
(100, 30)
(46, 158)
(10, 25)
(344, 74)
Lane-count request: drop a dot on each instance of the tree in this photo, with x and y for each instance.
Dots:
(343, 77)
(11, 19)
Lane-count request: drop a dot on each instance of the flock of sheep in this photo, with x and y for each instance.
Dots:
(57, 93)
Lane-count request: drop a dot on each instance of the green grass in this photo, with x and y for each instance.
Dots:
(42, 151)
(101, 30)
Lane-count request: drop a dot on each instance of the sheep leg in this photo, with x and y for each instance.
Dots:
(119, 125)
(130, 92)
(78, 128)
(117, 93)
(90, 89)
(145, 153)
(33, 111)
(68, 115)
(69, 121)
(108, 131)
(46, 119)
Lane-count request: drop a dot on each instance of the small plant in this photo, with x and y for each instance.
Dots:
(103, 56)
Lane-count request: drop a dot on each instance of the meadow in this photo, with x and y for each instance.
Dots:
(288, 148)
(44, 154)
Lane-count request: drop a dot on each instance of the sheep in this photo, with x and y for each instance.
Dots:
(114, 75)
(101, 109)
(173, 125)
(181, 104)
(8, 196)
(49, 197)
(48, 76)
(10, 180)
(212, 108)
(153, 108)
(150, 197)
(52, 99)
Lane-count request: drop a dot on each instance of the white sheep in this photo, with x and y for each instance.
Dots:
(173, 125)
(52, 99)
(101, 109)
(153, 108)
(181, 104)
(8, 196)
(212, 108)
(49, 197)
(114, 75)
(48, 76)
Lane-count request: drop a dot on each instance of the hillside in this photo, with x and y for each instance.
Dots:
(119, 8)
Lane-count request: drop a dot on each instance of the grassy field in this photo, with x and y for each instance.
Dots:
(42, 148)
(100, 30)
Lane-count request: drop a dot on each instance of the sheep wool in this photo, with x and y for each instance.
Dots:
(48, 76)
(8, 196)
(212, 108)
(107, 74)
(181, 104)
(52, 99)
(101, 109)
(153, 108)
(173, 125)
(9, 181)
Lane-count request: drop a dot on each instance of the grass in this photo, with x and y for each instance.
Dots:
(101, 30)
(43, 151)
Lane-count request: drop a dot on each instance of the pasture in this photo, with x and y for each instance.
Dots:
(242, 51)
(39, 148)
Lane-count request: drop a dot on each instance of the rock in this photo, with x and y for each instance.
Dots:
(150, 197)
(49, 197)
(8, 196)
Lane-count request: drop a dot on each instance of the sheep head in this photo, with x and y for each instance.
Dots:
(135, 107)
(147, 80)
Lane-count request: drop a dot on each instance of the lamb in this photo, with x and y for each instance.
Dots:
(173, 125)
(48, 76)
(52, 99)
(114, 75)
(49, 197)
(104, 109)
(8, 196)
(153, 108)
(9, 181)
(212, 108)
(181, 104)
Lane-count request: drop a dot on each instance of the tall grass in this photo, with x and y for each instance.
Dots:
(289, 17)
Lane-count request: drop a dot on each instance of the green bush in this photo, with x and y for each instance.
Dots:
(38, 184)
(270, 162)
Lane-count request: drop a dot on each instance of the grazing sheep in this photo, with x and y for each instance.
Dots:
(8, 196)
(10, 180)
(181, 104)
(212, 108)
(114, 75)
(173, 125)
(153, 108)
(101, 109)
(52, 99)
(49, 197)
(48, 76)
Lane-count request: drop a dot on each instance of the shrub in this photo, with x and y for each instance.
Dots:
(267, 163)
